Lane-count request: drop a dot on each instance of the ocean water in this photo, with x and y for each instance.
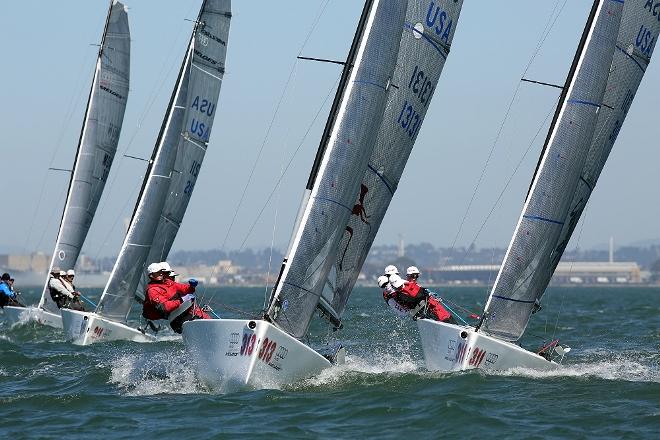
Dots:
(608, 387)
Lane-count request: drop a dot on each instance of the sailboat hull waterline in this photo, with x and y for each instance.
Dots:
(15, 315)
(236, 354)
(86, 328)
(450, 347)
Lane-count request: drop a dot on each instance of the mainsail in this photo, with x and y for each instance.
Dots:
(341, 161)
(97, 145)
(535, 248)
(186, 128)
(425, 42)
(208, 68)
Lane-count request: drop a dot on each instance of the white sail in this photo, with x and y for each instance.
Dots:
(345, 149)
(530, 257)
(425, 42)
(637, 37)
(186, 127)
(99, 136)
(207, 72)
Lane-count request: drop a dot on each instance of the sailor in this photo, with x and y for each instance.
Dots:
(389, 294)
(391, 270)
(193, 311)
(164, 296)
(167, 270)
(67, 281)
(7, 294)
(413, 289)
(58, 291)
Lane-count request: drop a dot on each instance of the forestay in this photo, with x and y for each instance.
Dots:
(195, 83)
(208, 68)
(531, 256)
(425, 41)
(97, 145)
(335, 179)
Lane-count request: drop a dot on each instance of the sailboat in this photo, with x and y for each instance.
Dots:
(169, 181)
(611, 59)
(97, 145)
(388, 79)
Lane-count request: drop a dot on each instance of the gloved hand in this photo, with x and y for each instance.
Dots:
(193, 282)
(188, 297)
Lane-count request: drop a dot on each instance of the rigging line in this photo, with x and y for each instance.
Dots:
(60, 202)
(117, 217)
(268, 130)
(279, 180)
(515, 170)
(544, 35)
(272, 241)
(68, 115)
(272, 122)
(563, 297)
(277, 184)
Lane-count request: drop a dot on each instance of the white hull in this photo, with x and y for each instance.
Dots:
(235, 354)
(85, 328)
(449, 347)
(14, 315)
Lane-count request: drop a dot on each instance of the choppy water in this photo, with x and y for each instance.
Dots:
(609, 386)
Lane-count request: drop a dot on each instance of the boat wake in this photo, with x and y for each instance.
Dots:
(630, 367)
(373, 368)
(163, 372)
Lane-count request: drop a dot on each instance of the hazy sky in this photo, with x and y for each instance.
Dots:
(48, 58)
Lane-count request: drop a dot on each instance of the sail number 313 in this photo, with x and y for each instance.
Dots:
(265, 351)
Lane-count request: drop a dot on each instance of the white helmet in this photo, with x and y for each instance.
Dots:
(154, 268)
(165, 266)
(382, 281)
(412, 270)
(396, 281)
(71, 272)
(391, 269)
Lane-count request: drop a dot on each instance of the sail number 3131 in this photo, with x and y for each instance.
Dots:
(422, 88)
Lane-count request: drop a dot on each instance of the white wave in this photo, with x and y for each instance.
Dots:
(148, 374)
(617, 368)
(358, 366)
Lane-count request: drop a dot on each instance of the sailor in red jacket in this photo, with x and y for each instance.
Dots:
(414, 290)
(163, 295)
(188, 310)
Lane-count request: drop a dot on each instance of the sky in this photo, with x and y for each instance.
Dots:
(272, 110)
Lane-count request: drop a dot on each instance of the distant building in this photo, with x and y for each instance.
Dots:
(578, 272)
(582, 272)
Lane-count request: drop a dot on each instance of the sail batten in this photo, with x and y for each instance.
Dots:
(165, 192)
(97, 145)
(577, 148)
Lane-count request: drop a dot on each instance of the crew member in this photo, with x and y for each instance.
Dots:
(164, 296)
(413, 289)
(7, 294)
(391, 270)
(67, 282)
(389, 294)
(58, 291)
